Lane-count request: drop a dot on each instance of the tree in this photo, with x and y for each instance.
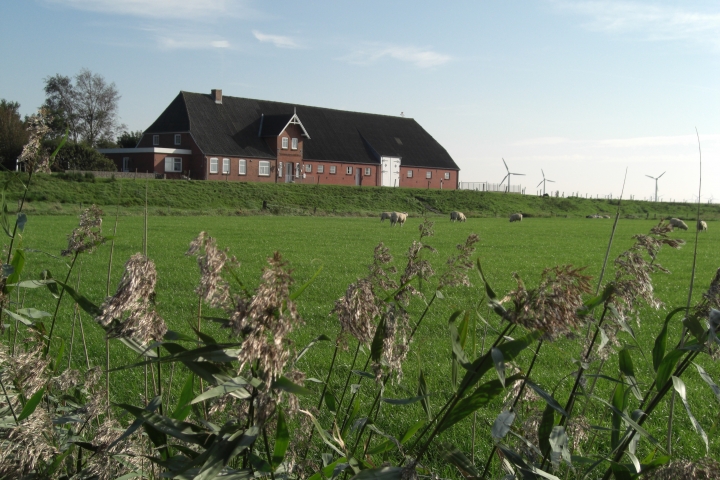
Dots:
(13, 134)
(129, 139)
(80, 156)
(88, 108)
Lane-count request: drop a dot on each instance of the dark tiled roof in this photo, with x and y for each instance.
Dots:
(232, 128)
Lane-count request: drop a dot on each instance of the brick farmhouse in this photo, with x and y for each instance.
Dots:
(211, 137)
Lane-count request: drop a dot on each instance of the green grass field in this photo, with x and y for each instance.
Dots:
(343, 246)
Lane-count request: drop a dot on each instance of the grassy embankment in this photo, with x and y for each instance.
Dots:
(52, 194)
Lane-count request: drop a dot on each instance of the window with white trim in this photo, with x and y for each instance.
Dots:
(294, 143)
(409, 174)
(321, 168)
(348, 170)
(428, 174)
(447, 175)
(178, 138)
(285, 143)
(333, 169)
(280, 169)
(226, 166)
(126, 164)
(308, 168)
(213, 165)
(264, 168)
(367, 172)
(242, 167)
(156, 140)
(173, 164)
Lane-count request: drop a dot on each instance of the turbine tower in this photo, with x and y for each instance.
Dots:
(656, 180)
(508, 176)
(543, 181)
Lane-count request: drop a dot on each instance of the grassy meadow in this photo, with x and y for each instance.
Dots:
(343, 247)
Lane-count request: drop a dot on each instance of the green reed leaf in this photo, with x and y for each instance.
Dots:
(183, 408)
(661, 340)
(499, 362)
(632, 423)
(627, 369)
(225, 450)
(282, 439)
(704, 375)
(547, 423)
(319, 338)
(549, 399)
(412, 430)
(679, 386)
(404, 401)
(17, 263)
(283, 383)
(376, 347)
(455, 457)
(382, 473)
(422, 391)
(296, 294)
(330, 402)
(31, 405)
(667, 366)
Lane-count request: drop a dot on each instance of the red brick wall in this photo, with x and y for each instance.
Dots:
(167, 140)
(252, 169)
(437, 180)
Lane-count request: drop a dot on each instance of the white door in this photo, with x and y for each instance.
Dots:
(390, 171)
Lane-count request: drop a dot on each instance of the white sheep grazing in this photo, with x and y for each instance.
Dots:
(702, 226)
(401, 217)
(384, 215)
(606, 216)
(516, 217)
(677, 223)
(457, 217)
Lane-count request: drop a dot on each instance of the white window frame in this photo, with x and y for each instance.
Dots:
(178, 139)
(173, 164)
(308, 168)
(321, 168)
(264, 168)
(242, 167)
(349, 170)
(126, 164)
(280, 169)
(284, 143)
(294, 144)
(214, 165)
(156, 140)
(367, 171)
(226, 166)
(409, 174)
(428, 174)
(333, 169)
(447, 175)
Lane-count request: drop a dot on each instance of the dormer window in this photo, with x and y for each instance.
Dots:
(178, 137)
(284, 143)
(156, 140)
(294, 143)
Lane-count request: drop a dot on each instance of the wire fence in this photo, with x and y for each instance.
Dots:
(491, 187)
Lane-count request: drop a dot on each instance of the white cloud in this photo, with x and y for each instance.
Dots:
(277, 40)
(186, 9)
(420, 57)
(649, 22)
(220, 44)
(170, 39)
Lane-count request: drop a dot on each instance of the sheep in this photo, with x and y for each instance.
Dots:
(457, 216)
(516, 217)
(384, 215)
(676, 222)
(702, 226)
(398, 217)
(606, 216)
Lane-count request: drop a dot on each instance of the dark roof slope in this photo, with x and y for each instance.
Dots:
(232, 128)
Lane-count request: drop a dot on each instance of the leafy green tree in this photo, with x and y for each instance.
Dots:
(129, 139)
(87, 107)
(80, 156)
(13, 134)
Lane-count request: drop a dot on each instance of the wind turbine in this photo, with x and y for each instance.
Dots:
(543, 181)
(508, 175)
(656, 180)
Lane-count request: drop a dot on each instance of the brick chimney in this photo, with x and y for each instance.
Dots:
(217, 95)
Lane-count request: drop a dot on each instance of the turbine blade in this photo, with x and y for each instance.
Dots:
(506, 176)
(540, 183)
(663, 173)
(542, 172)
(518, 174)
(506, 167)
(651, 177)
(551, 181)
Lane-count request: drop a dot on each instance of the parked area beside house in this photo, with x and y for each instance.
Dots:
(211, 137)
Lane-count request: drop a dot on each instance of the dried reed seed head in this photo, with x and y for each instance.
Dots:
(33, 155)
(27, 369)
(552, 307)
(703, 469)
(380, 269)
(357, 311)
(88, 235)
(710, 299)
(67, 380)
(265, 320)
(134, 297)
(27, 445)
(105, 463)
(213, 289)
(426, 229)
(395, 345)
(459, 264)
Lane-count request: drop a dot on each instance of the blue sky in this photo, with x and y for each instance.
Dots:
(579, 89)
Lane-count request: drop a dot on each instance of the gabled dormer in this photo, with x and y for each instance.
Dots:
(284, 134)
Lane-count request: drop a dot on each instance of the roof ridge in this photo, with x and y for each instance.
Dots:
(307, 106)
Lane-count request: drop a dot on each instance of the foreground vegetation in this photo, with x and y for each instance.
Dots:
(66, 193)
(454, 354)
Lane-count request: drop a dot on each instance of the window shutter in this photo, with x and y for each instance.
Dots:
(169, 167)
